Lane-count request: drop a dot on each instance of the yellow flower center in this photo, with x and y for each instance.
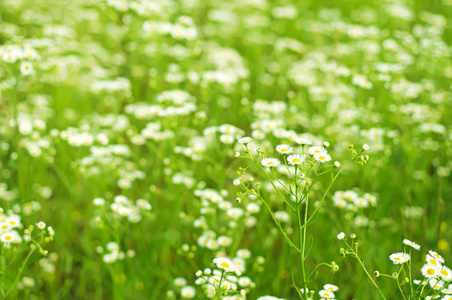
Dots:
(8, 238)
(444, 272)
(316, 151)
(12, 223)
(397, 259)
(322, 157)
(327, 295)
(283, 150)
(4, 227)
(269, 163)
(430, 271)
(225, 265)
(433, 262)
(295, 160)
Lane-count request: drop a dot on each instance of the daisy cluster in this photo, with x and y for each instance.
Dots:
(437, 275)
(12, 230)
(215, 211)
(437, 281)
(114, 253)
(353, 203)
(318, 153)
(227, 278)
(122, 207)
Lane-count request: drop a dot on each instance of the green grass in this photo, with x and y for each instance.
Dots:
(83, 42)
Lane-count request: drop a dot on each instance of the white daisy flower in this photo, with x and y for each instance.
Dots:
(437, 256)
(331, 287)
(295, 159)
(41, 225)
(430, 271)
(436, 284)
(270, 162)
(322, 157)
(303, 141)
(225, 264)
(180, 281)
(316, 149)
(244, 140)
(432, 260)
(411, 244)
(188, 292)
(326, 294)
(227, 139)
(399, 258)
(284, 149)
(26, 68)
(446, 274)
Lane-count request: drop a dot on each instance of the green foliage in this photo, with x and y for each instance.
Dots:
(125, 166)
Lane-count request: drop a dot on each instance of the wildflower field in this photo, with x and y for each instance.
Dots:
(225, 149)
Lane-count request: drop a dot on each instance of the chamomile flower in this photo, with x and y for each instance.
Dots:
(227, 139)
(41, 225)
(303, 141)
(295, 159)
(244, 281)
(316, 149)
(446, 274)
(447, 292)
(188, 292)
(99, 202)
(11, 237)
(26, 68)
(432, 260)
(244, 253)
(284, 149)
(436, 284)
(399, 258)
(436, 256)
(430, 271)
(180, 281)
(225, 264)
(244, 140)
(326, 294)
(322, 157)
(411, 244)
(270, 162)
(331, 287)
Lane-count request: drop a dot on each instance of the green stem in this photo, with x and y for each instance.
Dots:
(365, 270)
(277, 223)
(19, 274)
(398, 283)
(325, 194)
(302, 235)
(410, 274)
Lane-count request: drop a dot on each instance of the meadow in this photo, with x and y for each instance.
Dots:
(225, 149)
